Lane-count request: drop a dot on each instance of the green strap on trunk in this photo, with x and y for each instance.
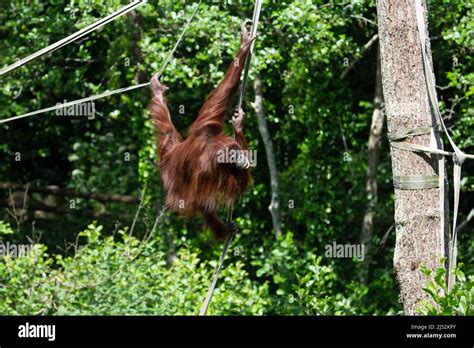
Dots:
(416, 182)
(421, 182)
(397, 136)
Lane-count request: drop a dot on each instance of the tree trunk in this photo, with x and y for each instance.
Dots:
(375, 135)
(270, 154)
(420, 223)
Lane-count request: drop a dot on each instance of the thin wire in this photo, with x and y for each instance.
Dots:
(255, 19)
(75, 102)
(170, 55)
(73, 37)
(458, 157)
(108, 93)
(210, 291)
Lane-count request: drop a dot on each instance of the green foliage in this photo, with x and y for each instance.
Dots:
(319, 125)
(280, 263)
(112, 276)
(457, 301)
(118, 275)
(5, 228)
(316, 294)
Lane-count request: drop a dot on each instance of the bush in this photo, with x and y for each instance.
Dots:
(317, 296)
(458, 301)
(121, 275)
(303, 285)
(124, 277)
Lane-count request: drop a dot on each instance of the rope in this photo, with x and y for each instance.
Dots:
(75, 102)
(212, 287)
(73, 37)
(108, 93)
(255, 19)
(210, 291)
(458, 156)
(170, 55)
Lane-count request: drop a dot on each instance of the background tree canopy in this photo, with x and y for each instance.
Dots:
(105, 257)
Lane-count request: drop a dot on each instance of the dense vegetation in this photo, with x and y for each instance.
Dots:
(110, 258)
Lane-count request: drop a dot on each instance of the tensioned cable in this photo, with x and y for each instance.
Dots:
(73, 37)
(75, 102)
(170, 55)
(255, 19)
(458, 156)
(210, 291)
(108, 93)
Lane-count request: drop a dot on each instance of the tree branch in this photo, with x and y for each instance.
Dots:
(54, 190)
(270, 153)
(64, 210)
(366, 47)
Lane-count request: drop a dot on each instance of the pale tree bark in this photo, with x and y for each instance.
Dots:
(371, 189)
(420, 225)
(274, 207)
